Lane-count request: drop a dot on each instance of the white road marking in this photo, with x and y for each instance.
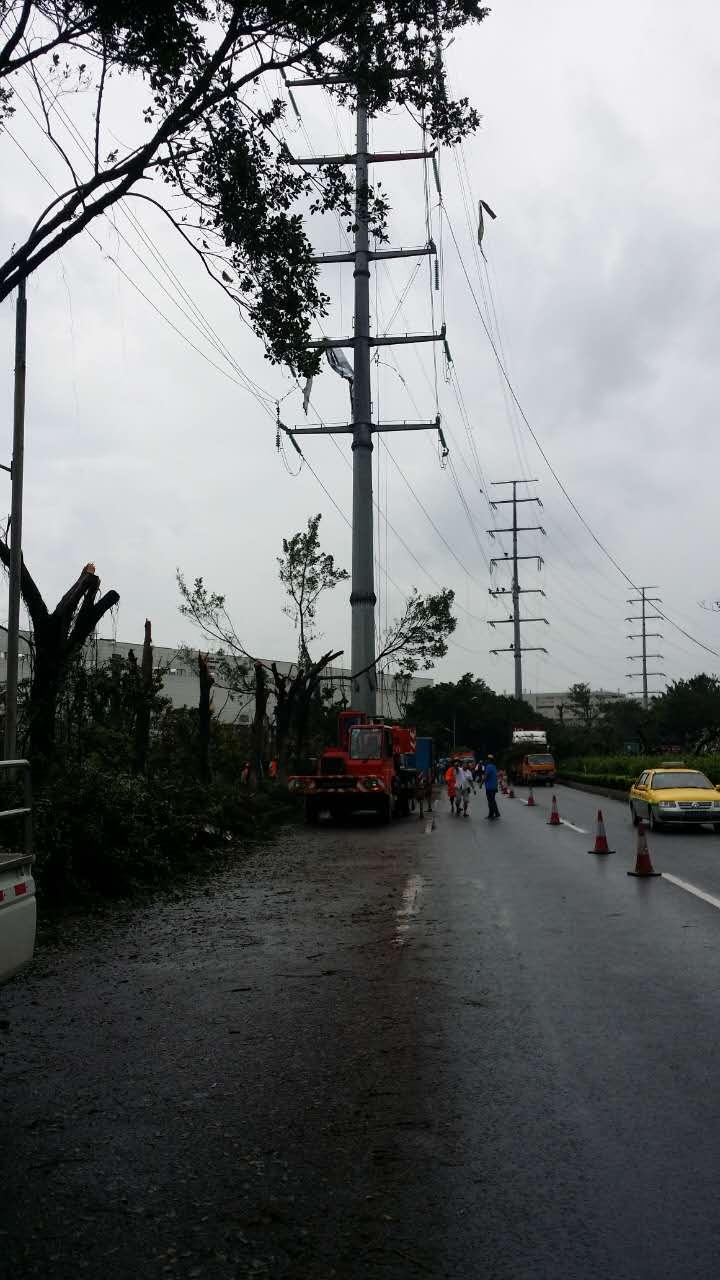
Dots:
(411, 902)
(691, 888)
(580, 830)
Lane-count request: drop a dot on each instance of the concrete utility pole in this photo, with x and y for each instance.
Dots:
(362, 597)
(516, 648)
(643, 599)
(16, 471)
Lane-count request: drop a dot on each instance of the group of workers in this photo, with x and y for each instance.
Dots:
(462, 781)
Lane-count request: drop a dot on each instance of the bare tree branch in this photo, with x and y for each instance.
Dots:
(98, 109)
(36, 606)
(7, 51)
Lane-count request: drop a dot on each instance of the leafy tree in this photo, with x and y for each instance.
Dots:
(307, 573)
(688, 712)
(482, 720)
(582, 703)
(621, 720)
(201, 130)
(416, 639)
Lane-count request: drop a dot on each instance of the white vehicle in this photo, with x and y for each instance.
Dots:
(529, 737)
(18, 906)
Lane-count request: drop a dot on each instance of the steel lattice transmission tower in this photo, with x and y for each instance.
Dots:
(515, 590)
(644, 635)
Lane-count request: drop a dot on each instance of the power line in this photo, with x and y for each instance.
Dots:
(201, 323)
(549, 465)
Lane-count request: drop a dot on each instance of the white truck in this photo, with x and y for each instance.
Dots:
(529, 737)
(18, 906)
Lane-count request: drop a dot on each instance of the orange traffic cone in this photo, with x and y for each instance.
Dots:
(531, 799)
(643, 865)
(554, 819)
(601, 844)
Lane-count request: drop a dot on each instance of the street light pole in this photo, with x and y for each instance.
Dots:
(16, 469)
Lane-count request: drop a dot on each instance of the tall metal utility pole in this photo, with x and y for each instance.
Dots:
(644, 599)
(16, 471)
(362, 595)
(362, 429)
(516, 648)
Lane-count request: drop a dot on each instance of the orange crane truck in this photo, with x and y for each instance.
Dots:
(365, 771)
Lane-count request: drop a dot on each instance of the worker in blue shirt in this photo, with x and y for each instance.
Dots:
(491, 786)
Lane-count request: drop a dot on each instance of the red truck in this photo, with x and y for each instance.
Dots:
(366, 770)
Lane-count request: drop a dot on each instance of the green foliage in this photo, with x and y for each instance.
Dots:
(110, 832)
(621, 771)
(582, 703)
(306, 573)
(685, 717)
(205, 129)
(483, 720)
(416, 639)
(102, 827)
(689, 711)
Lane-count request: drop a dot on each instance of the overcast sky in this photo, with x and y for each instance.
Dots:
(599, 152)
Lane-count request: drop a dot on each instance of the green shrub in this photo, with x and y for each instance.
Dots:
(109, 831)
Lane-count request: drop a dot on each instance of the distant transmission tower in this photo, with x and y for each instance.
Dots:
(644, 635)
(517, 648)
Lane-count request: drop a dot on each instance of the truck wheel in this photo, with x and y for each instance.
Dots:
(384, 809)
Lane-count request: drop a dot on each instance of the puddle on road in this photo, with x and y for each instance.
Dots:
(412, 896)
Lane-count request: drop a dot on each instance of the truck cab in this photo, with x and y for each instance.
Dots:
(537, 768)
(366, 770)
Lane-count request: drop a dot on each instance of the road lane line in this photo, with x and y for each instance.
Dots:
(691, 888)
(581, 830)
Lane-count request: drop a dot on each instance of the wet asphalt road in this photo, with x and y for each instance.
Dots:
(474, 1051)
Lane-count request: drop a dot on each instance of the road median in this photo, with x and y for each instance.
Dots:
(612, 793)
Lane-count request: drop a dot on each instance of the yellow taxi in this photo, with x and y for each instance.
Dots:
(672, 793)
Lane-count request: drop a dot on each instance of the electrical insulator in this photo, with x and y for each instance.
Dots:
(437, 276)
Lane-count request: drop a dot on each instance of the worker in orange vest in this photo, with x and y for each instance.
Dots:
(451, 784)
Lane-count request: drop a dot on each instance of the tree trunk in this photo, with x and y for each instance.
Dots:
(58, 637)
(258, 725)
(284, 703)
(144, 703)
(206, 684)
(44, 694)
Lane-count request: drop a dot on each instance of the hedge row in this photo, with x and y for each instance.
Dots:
(622, 771)
(613, 781)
